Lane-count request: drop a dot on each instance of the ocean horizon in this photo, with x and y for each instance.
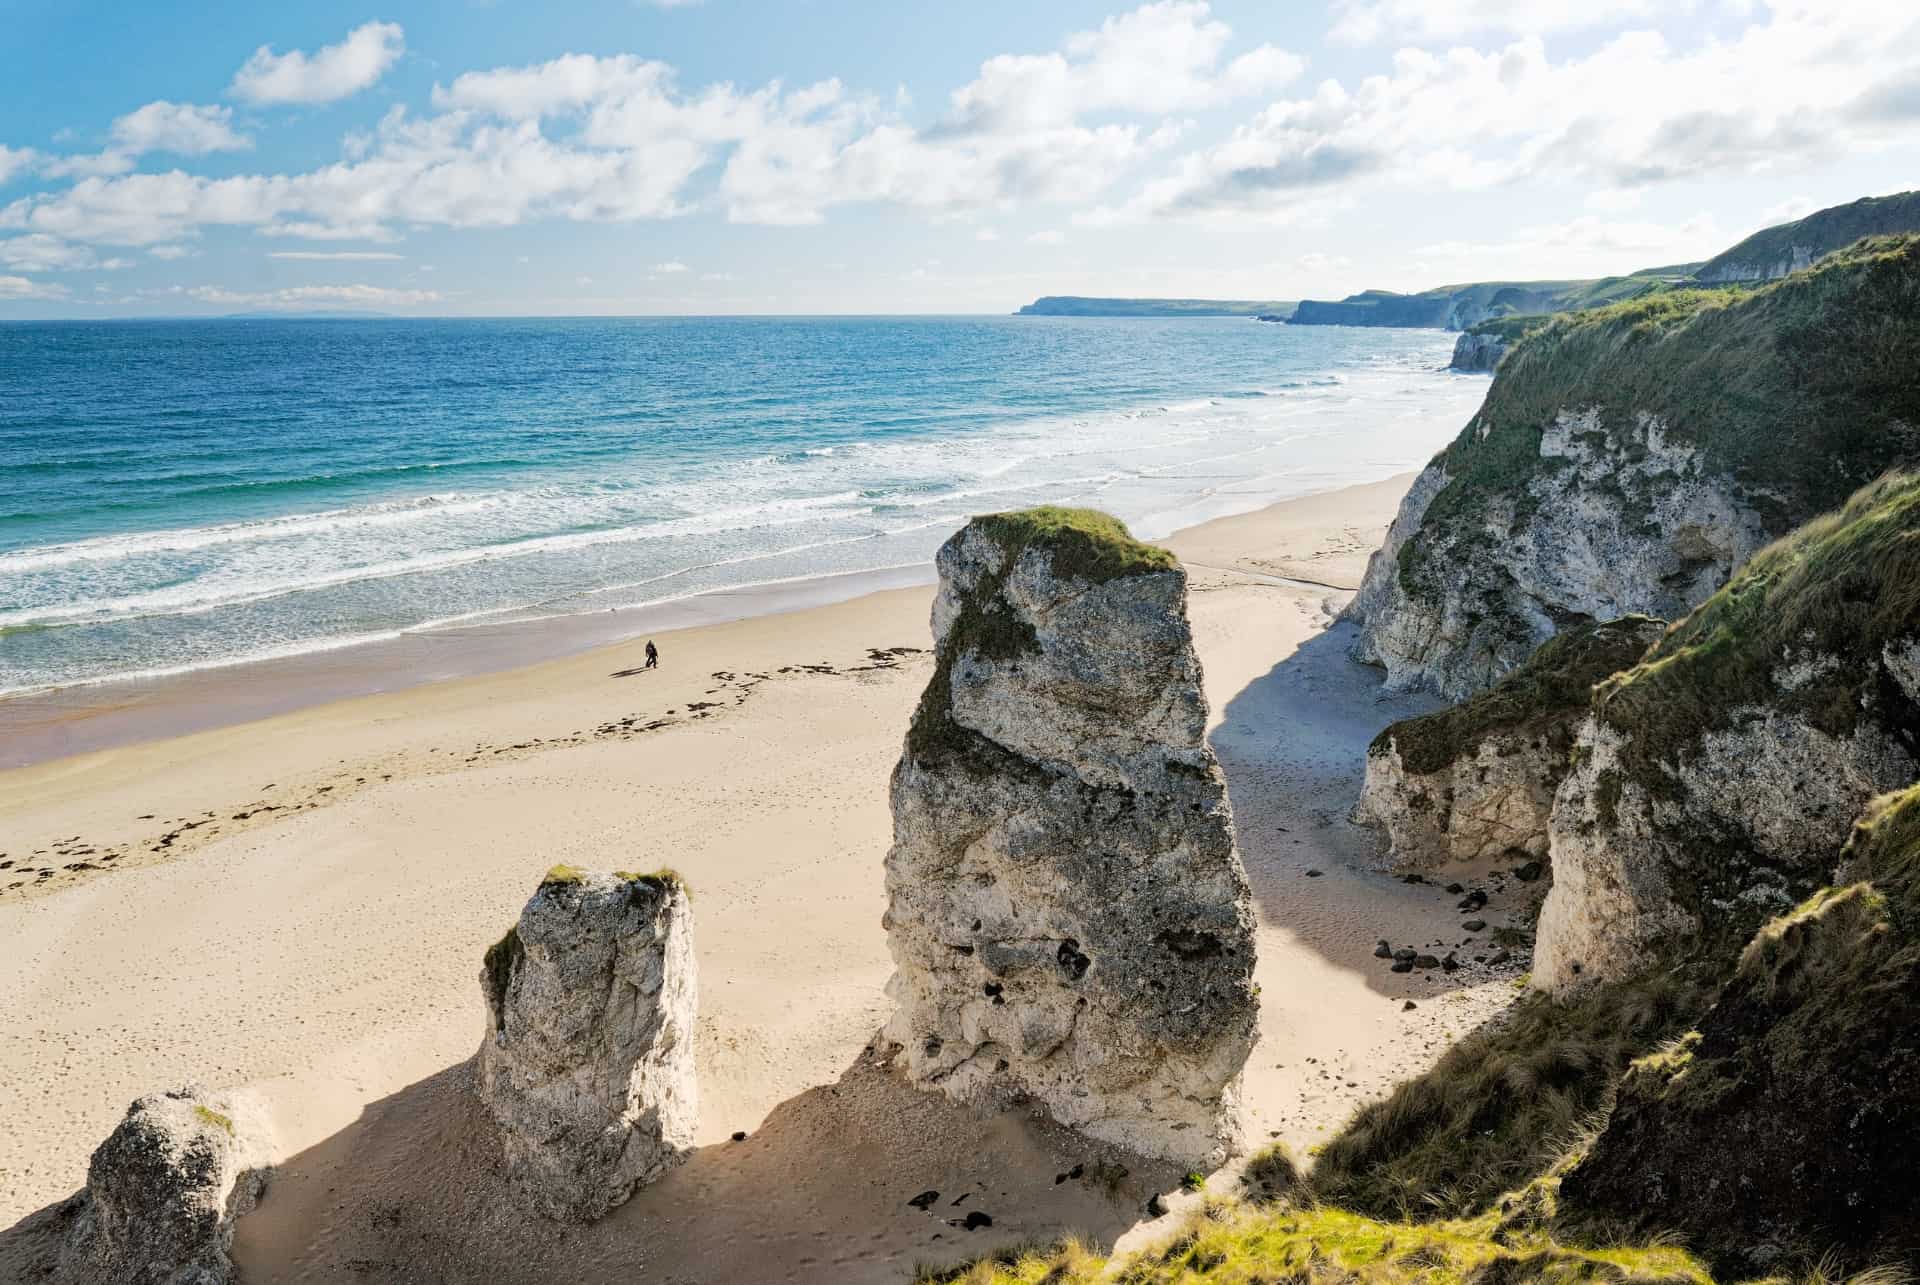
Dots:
(190, 495)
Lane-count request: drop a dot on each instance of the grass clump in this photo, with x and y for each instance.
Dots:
(563, 874)
(1548, 691)
(1501, 1104)
(1321, 1245)
(1085, 544)
(1272, 1172)
(208, 1116)
(665, 879)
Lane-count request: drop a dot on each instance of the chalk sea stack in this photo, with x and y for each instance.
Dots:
(588, 1060)
(163, 1192)
(1068, 918)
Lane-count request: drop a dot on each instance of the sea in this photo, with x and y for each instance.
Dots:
(182, 496)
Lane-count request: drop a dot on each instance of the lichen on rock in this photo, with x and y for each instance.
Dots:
(588, 1060)
(1068, 918)
(1627, 459)
(1476, 781)
(1713, 782)
(164, 1189)
(1785, 1129)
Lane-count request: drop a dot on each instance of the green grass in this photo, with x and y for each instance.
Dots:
(1546, 692)
(1227, 1244)
(563, 874)
(208, 1116)
(1823, 231)
(1085, 544)
(1502, 1103)
(1802, 391)
(666, 878)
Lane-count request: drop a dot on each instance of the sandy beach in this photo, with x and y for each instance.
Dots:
(298, 906)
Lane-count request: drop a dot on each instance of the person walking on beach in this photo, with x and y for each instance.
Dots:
(653, 655)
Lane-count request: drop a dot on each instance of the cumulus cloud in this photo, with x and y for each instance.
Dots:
(1634, 111)
(22, 288)
(38, 252)
(186, 128)
(332, 72)
(15, 160)
(1588, 244)
(673, 266)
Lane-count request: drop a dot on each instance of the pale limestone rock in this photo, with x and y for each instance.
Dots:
(1069, 921)
(588, 1061)
(1634, 526)
(164, 1189)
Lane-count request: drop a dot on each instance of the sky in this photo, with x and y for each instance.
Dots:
(616, 157)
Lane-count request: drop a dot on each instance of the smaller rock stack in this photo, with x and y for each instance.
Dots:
(588, 1061)
(163, 1192)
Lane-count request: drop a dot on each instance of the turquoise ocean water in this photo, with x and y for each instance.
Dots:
(181, 495)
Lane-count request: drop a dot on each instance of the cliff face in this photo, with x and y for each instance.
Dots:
(1787, 1126)
(1476, 782)
(1627, 459)
(1774, 252)
(1714, 782)
(1067, 915)
(1477, 353)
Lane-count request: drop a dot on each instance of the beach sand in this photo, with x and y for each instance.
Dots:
(299, 905)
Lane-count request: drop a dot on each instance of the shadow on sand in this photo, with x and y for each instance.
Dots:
(413, 1190)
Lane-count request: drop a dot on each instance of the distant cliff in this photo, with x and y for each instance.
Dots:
(1067, 305)
(1464, 306)
(1773, 253)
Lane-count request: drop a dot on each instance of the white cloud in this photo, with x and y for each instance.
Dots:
(169, 251)
(675, 266)
(298, 297)
(1052, 236)
(333, 72)
(336, 256)
(1801, 84)
(986, 234)
(1794, 207)
(15, 160)
(22, 288)
(1587, 245)
(177, 127)
(1434, 21)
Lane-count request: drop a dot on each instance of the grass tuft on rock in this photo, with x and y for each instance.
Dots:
(1085, 544)
(1548, 691)
(208, 1116)
(563, 874)
(665, 879)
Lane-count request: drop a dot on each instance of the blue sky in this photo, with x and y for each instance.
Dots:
(617, 156)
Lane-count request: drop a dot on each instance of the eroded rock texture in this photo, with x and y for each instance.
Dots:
(1627, 460)
(1476, 782)
(163, 1192)
(1712, 784)
(588, 1060)
(1068, 917)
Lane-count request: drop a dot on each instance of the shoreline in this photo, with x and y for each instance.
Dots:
(48, 724)
(296, 908)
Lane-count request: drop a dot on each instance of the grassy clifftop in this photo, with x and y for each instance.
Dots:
(1817, 234)
(1801, 391)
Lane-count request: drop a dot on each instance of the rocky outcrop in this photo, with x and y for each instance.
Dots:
(1476, 782)
(588, 1061)
(1478, 352)
(1786, 1129)
(1068, 918)
(1625, 462)
(1713, 783)
(163, 1192)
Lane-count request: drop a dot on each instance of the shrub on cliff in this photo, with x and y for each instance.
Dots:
(1786, 1128)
